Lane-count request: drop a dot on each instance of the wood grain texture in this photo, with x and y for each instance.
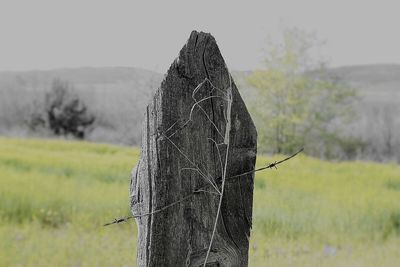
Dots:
(172, 148)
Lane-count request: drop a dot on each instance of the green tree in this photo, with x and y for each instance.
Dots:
(297, 104)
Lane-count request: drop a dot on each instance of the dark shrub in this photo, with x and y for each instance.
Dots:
(66, 113)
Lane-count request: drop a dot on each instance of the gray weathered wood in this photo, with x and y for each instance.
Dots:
(173, 152)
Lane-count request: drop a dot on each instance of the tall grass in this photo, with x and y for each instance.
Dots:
(55, 196)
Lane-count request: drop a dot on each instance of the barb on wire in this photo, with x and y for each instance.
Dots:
(269, 166)
(121, 220)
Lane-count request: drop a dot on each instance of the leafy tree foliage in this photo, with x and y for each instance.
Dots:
(296, 104)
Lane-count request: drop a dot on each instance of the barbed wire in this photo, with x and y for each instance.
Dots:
(201, 189)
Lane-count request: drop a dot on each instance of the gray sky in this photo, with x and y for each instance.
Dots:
(45, 34)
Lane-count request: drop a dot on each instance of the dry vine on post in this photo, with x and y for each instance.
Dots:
(192, 189)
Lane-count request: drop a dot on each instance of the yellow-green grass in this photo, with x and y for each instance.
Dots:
(55, 196)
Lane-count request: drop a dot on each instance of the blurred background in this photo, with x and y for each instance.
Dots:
(76, 76)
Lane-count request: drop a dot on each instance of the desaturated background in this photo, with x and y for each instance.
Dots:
(113, 55)
(323, 75)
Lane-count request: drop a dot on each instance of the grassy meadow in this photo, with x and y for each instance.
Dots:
(56, 195)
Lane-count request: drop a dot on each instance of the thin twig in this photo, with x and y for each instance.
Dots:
(198, 88)
(209, 179)
(201, 84)
(205, 191)
(227, 142)
(196, 104)
(219, 155)
(194, 164)
(212, 123)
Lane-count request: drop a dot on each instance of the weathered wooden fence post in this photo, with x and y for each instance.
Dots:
(189, 194)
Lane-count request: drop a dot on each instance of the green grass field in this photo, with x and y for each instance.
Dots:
(55, 196)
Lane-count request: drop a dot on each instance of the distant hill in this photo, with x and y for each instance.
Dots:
(378, 83)
(119, 95)
(86, 76)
